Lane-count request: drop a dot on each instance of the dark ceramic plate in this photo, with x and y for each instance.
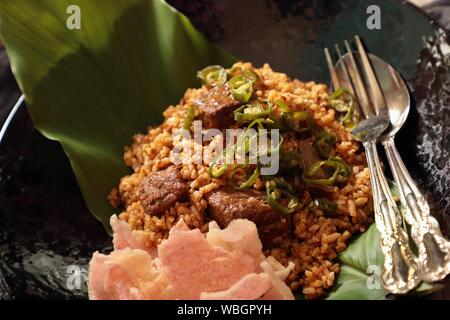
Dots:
(47, 235)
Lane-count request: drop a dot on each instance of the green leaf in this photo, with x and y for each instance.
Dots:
(426, 288)
(362, 259)
(361, 264)
(92, 89)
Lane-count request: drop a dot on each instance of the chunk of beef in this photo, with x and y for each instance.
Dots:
(216, 107)
(160, 190)
(227, 204)
(307, 153)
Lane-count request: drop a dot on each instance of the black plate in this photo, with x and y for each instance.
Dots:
(47, 235)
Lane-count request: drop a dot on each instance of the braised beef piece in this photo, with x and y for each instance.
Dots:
(216, 107)
(160, 190)
(227, 204)
(307, 153)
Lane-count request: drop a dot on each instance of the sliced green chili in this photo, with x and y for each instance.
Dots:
(232, 72)
(241, 88)
(219, 165)
(345, 171)
(213, 75)
(273, 117)
(262, 151)
(299, 121)
(324, 143)
(244, 140)
(249, 112)
(275, 194)
(276, 120)
(189, 118)
(280, 182)
(250, 74)
(282, 106)
(247, 73)
(337, 102)
(260, 123)
(246, 184)
(291, 159)
(337, 170)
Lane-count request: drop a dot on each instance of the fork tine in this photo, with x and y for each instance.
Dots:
(347, 83)
(364, 101)
(338, 50)
(334, 77)
(376, 93)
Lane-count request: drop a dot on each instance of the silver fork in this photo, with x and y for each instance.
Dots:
(400, 272)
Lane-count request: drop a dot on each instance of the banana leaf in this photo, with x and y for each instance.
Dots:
(93, 88)
(359, 276)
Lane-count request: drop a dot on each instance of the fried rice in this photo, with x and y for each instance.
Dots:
(318, 238)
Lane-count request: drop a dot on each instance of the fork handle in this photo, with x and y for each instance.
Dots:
(433, 248)
(400, 270)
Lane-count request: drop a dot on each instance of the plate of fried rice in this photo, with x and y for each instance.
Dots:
(250, 187)
(314, 216)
